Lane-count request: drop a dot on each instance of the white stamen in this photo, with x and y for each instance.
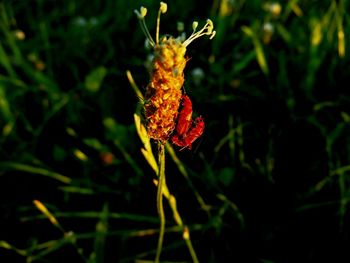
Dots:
(206, 30)
(162, 9)
(141, 16)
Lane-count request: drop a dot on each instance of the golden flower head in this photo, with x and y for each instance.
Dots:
(163, 94)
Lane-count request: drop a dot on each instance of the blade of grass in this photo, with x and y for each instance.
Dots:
(94, 214)
(35, 170)
(5, 245)
(259, 50)
(5, 62)
(47, 214)
(97, 255)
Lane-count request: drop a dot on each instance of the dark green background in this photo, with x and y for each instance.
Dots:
(273, 163)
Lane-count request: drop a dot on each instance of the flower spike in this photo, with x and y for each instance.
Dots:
(164, 97)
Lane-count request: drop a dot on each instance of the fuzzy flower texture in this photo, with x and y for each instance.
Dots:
(168, 110)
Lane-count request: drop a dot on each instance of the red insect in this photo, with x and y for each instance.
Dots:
(184, 120)
(187, 130)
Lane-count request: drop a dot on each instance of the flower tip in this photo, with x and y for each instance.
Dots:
(142, 13)
(194, 25)
(163, 7)
(210, 23)
(139, 14)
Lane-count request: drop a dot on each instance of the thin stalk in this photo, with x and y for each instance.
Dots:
(157, 29)
(186, 237)
(161, 185)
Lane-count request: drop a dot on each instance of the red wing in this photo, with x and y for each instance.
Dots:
(193, 134)
(184, 120)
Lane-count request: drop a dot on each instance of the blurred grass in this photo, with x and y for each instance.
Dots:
(272, 167)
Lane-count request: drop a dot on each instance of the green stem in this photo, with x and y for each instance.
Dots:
(161, 185)
(186, 237)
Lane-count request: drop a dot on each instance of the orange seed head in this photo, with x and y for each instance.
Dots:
(163, 94)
